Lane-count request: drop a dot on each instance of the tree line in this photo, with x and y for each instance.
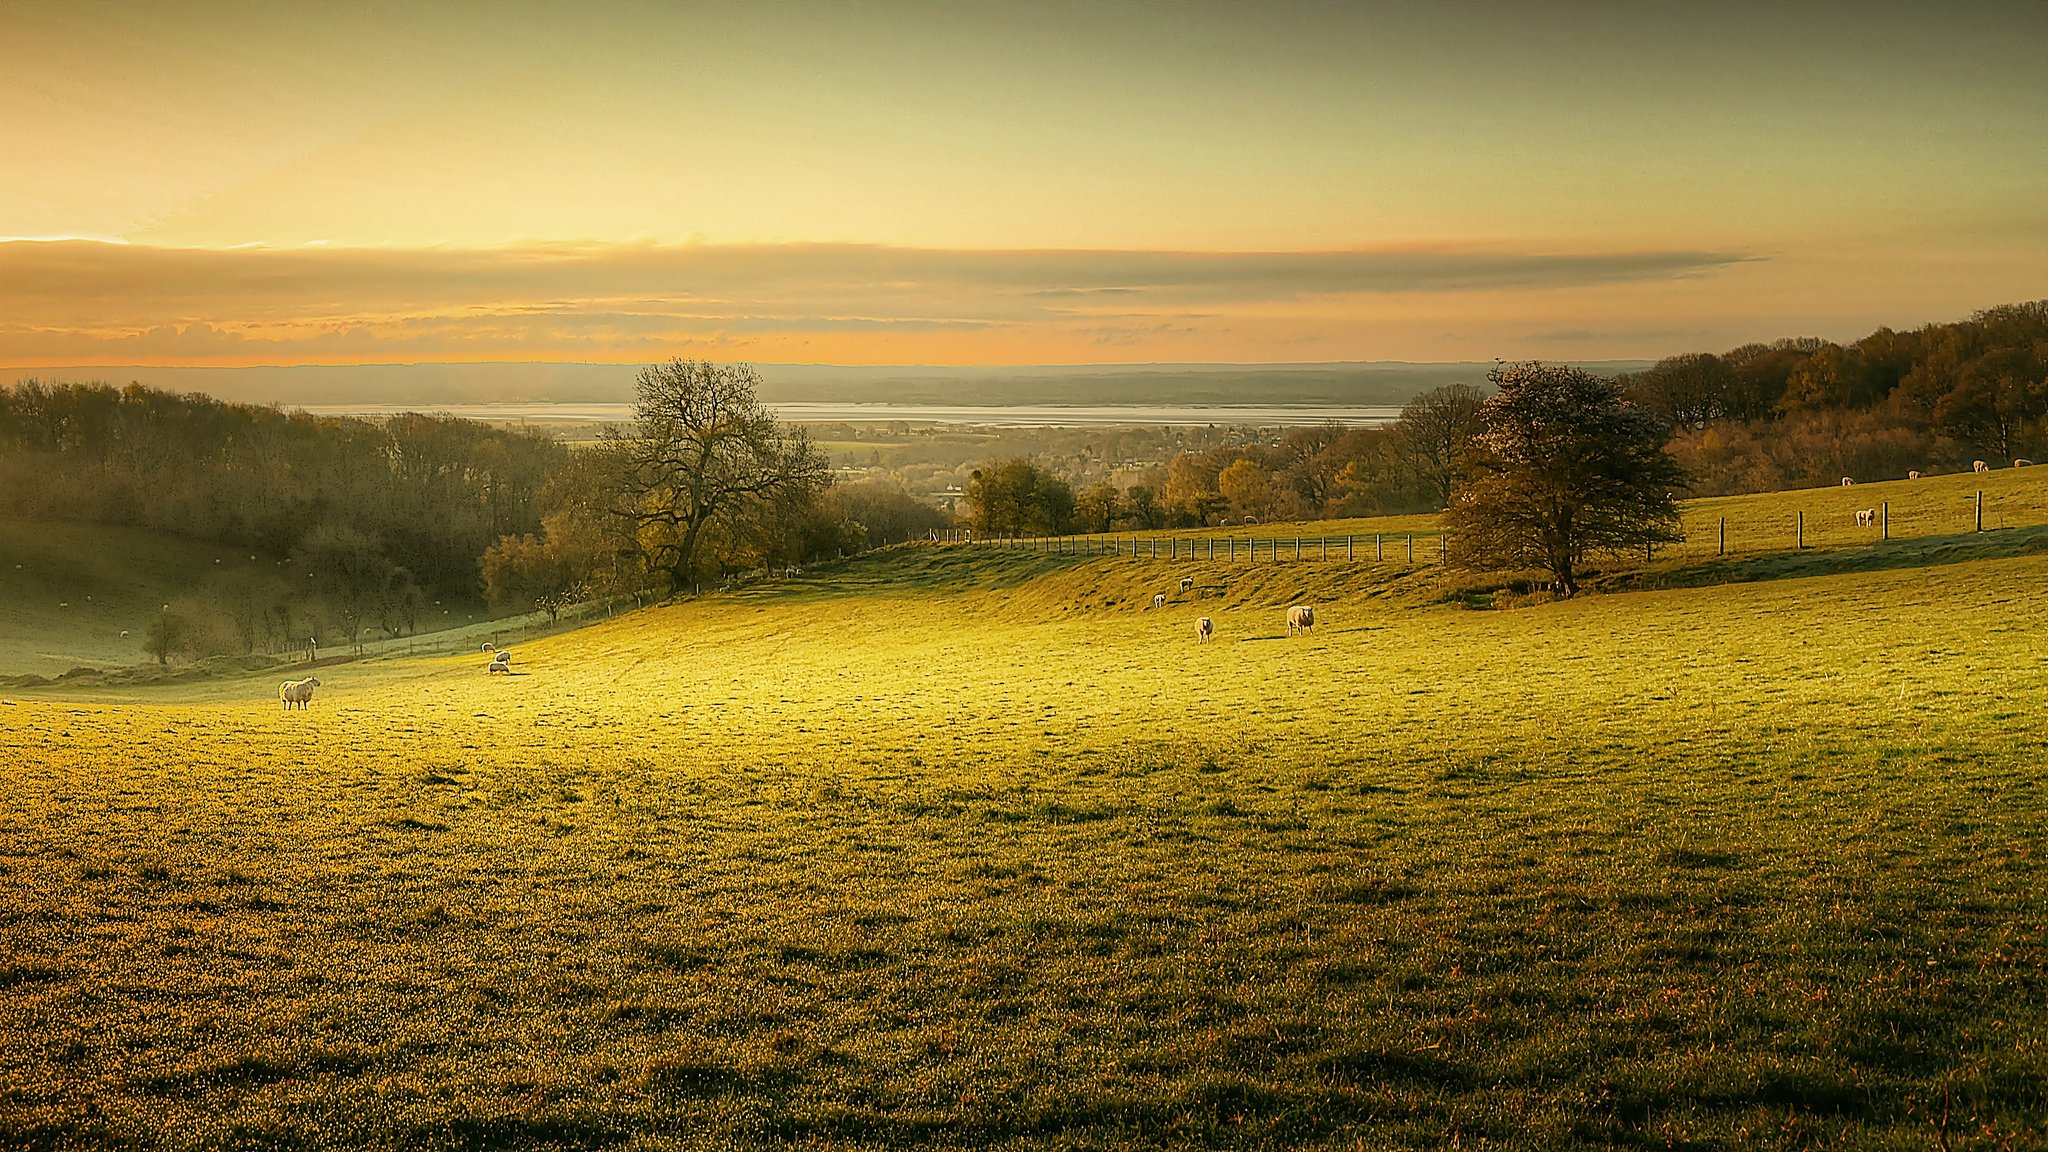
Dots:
(1803, 412)
(1328, 470)
(374, 520)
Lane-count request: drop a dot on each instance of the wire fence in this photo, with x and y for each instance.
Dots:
(1707, 534)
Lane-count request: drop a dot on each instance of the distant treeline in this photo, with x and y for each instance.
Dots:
(373, 519)
(1803, 412)
(428, 493)
(1761, 417)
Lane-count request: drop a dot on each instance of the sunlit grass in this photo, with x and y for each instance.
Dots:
(959, 847)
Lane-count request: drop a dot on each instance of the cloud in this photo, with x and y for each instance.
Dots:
(82, 302)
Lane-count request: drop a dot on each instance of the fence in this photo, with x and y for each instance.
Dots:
(1378, 548)
(1706, 534)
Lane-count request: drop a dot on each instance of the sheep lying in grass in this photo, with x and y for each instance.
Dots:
(298, 692)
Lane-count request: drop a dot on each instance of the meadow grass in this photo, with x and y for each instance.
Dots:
(962, 847)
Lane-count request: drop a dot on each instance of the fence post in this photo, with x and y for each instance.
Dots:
(1799, 532)
(1411, 549)
(1297, 539)
(1722, 547)
(1379, 547)
(1980, 509)
(1443, 549)
(1349, 551)
(1887, 520)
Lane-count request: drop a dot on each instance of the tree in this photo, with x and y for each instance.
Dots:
(1564, 467)
(1249, 488)
(166, 635)
(1015, 498)
(703, 451)
(349, 571)
(1685, 390)
(1435, 427)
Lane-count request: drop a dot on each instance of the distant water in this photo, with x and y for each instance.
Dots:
(992, 416)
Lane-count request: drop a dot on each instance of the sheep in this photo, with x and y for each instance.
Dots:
(1159, 600)
(1204, 628)
(298, 692)
(1913, 475)
(1300, 618)
(2023, 463)
(1187, 584)
(486, 646)
(1865, 517)
(1848, 481)
(499, 665)
(1979, 466)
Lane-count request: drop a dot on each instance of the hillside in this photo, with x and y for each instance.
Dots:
(69, 591)
(952, 847)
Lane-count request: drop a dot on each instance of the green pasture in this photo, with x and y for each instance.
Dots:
(955, 847)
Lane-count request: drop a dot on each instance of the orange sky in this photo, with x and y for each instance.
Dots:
(1005, 183)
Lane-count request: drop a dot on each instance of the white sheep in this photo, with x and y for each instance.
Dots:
(1979, 466)
(1913, 475)
(1848, 481)
(1159, 600)
(486, 646)
(2023, 463)
(1300, 618)
(1865, 517)
(1187, 583)
(298, 692)
(1204, 628)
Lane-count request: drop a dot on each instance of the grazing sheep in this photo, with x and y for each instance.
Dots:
(1848, 481)
(1187, 584)
(1979, 466)
(486, 646)
(2023, 463)
(298, 692)
(499, 665)
(1913, 475)
(1865, 517)
(1300, 618)
(1204, 628)
(1159, 600)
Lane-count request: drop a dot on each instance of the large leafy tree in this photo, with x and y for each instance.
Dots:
(702, 463)
(1017, 498)
(1564, 467)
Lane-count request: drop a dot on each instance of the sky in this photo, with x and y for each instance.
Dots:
(822, 181)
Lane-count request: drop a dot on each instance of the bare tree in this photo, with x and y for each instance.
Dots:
(702, 452)
(1435, 427)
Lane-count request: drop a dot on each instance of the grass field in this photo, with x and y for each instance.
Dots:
(958, 847)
